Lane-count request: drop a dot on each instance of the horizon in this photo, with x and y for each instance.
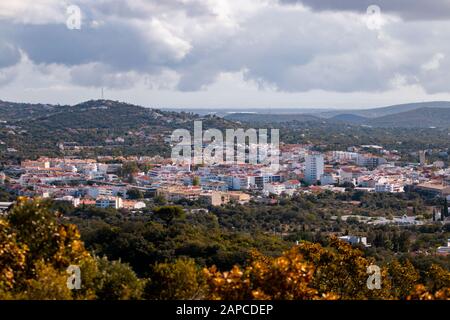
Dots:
(271, 109)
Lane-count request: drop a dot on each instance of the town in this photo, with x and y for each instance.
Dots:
(129, 183)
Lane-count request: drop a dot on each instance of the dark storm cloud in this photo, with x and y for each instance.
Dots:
(118, 45)
(407, 9)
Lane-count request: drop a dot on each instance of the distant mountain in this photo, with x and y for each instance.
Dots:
(270, 118)
(417, 118)
(384, 111)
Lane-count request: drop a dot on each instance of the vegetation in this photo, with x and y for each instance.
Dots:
(38, 245)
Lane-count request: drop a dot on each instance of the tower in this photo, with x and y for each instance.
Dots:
(313, 167)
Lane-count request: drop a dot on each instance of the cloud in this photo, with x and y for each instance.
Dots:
(187, 45)
(407, 9)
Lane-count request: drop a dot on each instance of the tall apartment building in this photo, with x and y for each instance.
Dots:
(313, 167)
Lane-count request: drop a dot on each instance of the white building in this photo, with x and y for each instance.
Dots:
(344, 155)
(313, 167)
(109, 202)
(355, 240)
(445, 250)
(4, 206)
(384, 187)
(328, 178)
(349, 174)
(369, 161)
(274, 188)
(241, 182)
(74, 201)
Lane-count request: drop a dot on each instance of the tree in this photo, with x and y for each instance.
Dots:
(196, 181)
(36, 249)
(115, 280)
(135, 194)
(160, 200)
(47, 284)
(38, 227)
(342, 270)
(288, 277)
(437, 278)
(179, 280)
(169, 213)
(403, 278)
(12, 257)
(445, 208)
(43, 248)
(128, 170)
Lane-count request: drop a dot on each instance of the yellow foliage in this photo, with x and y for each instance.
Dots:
(287, 277)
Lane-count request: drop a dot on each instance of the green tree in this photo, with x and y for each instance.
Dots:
(196, 181)
(115, 280)
(169, 213)
(445, 208)
(179, 280)
(135, 194)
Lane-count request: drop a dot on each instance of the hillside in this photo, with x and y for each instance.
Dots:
(11, 111)
(418, 118)
(96, 127)
(384, 111)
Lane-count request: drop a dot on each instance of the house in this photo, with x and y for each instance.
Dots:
(133, 204)
(175, 193)
(350, 174)
(74, 201)
(328, 178)
(292, 184)
(355, 240)
(4, 206)
(216, 198)
(384, 187)
(370, 161)
(444, 250)
(274, 188)
(433, 189)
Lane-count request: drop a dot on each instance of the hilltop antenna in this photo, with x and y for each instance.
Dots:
(103, 97)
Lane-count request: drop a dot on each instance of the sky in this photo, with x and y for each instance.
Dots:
(226, 53)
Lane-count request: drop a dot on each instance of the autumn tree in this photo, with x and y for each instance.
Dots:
(284, 278)
(403, 277)
(12, 257)
(36, 250)
(342, 270)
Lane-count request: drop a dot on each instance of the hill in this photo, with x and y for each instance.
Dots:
(11, 111)
(418, 118)
(389, 110)
(96, 127)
